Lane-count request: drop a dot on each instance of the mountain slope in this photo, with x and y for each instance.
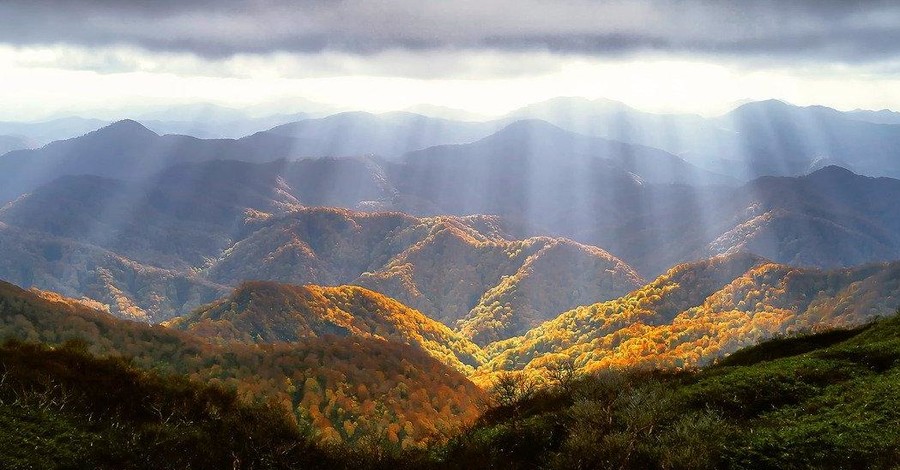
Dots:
(698, 312)
(269, 312)
(188, 213)
(62, 407)
(827, 400)
(117, 284)
(528, 281)
(829, 218)
(445, 267)
(340, 389)
(779, 139)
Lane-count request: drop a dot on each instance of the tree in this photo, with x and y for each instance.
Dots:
(562, 373)
(512, 387)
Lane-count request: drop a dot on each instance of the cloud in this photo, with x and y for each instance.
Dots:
(830, 30)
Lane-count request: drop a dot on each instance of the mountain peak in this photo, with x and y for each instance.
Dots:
(126, 127)
(764, 105)
(531, 125)
(832, 171)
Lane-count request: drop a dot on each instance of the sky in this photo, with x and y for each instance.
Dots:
(487, 57)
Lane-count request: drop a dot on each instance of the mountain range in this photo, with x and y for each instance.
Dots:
(374, 274)
(206, 225)
(764, 138)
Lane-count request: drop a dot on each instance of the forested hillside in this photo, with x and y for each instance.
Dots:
(64, 408)
(698, 312)
(266, 312)
(826, 401)
(340, 389)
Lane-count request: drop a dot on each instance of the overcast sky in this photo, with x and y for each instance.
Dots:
(485, 56)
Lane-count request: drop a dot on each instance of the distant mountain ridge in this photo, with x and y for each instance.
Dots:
(126, 149)
(762, 138)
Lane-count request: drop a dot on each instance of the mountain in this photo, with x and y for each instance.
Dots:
(219, 223)
(762, 138)
(884, 116)
(779, 139)
(829, 218)
(553, 180)
(827, 400)
(224, 222)
(493, 289)
(178, 219)
(63, 407)
(108, 280)
(44, 132)
(698, 312)
(695, 139)
(268, 312)
(128, 150)
(8, 143)
(211, 121)
(452, 269)
(388, 135)
(346, 389)
(188, 215)
(539, 143)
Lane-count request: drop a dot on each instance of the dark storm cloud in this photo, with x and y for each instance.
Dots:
(821, 30)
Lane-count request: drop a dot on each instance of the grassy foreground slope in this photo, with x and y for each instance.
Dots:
(830, 400)
(64, 408)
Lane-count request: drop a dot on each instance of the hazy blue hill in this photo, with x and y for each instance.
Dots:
(764, 138)
(8, 143)
(691, 137)
(44, 132)
(544, 145)
(883, 116)
(126, 149)
(829, 218)
(230, 221)
(782, 140)
(388, 135)
(553, 180)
